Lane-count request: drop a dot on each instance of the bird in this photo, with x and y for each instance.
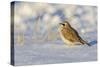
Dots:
(69, 35)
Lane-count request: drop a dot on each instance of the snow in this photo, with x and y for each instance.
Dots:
(51, 53)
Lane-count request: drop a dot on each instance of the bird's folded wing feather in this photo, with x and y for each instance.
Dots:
(72, 35)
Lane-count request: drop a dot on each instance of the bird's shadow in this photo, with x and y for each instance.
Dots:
(94, 42)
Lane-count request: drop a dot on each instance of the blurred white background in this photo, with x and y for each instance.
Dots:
(40, 21)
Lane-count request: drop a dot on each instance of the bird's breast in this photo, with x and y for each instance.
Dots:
(64, 39)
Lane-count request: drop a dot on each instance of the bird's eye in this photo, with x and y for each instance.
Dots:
(63, 24)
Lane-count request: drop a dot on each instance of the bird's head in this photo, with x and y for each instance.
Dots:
(65, 24)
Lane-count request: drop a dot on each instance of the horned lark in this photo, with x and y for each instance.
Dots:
(69, 35)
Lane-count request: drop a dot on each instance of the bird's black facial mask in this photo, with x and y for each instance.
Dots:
(62, 24)
(67, 24)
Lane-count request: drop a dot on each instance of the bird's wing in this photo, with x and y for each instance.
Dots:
(73, 35)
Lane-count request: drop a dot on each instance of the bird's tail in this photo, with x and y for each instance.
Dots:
(84, 42)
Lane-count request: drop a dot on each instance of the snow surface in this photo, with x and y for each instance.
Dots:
(53, 53)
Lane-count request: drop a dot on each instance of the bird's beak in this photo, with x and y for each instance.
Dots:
(60, 23)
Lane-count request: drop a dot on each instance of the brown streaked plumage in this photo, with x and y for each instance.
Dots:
(69, 35)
